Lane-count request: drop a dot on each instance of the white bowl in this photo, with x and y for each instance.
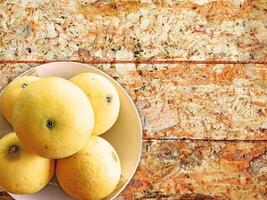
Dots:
(125, 135)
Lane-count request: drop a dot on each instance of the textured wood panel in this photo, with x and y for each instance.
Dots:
(200, 170)
(194, 101)
(166, 29)
(190, 100)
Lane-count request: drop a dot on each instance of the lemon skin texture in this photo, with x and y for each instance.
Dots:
(53, 118)
(103, 97)
(92, 173)
(10, 94)
(21, 171)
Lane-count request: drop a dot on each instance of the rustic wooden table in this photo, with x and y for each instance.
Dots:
(196, 70)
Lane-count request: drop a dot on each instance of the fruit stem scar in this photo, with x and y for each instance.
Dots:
(50, 123)
(13, 151)
(108, 98)
(24, 85)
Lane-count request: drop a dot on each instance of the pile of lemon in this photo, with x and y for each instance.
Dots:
(57, 123)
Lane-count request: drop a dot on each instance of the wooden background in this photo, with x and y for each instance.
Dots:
(196, 70)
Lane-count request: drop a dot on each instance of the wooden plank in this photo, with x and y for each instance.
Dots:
(202, 101)
(128, 30)
(194, 170)
(192, 101)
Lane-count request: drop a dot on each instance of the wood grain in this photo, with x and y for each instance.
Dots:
(134, 30)
(192, 101)
(200, 170)
(210, 90)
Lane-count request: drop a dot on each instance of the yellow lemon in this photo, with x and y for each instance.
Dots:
(103, 97)
(53, 117)
(92, 173)
(22, 172)
(11, 92)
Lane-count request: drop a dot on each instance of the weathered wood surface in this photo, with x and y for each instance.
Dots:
(217, 93)
(200, 170)
(192, 101)
(147, 29)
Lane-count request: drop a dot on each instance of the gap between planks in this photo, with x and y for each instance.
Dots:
(198, 139)
(110, 61)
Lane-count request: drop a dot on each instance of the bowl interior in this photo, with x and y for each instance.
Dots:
(125, 135)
